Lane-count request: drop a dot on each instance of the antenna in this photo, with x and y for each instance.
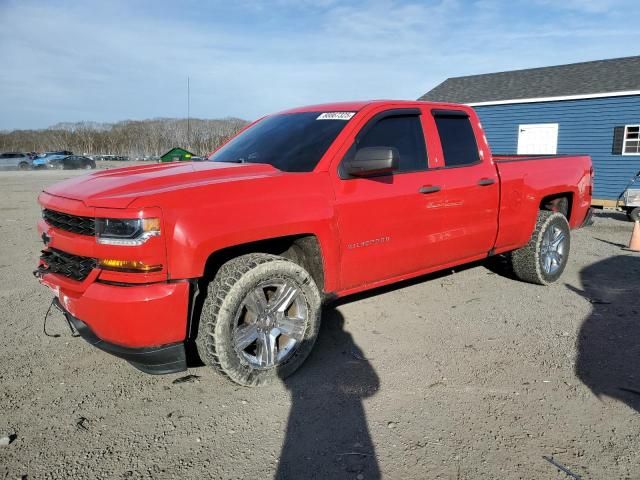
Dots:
(188, 112)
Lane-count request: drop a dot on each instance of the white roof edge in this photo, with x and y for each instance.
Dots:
(556, 99)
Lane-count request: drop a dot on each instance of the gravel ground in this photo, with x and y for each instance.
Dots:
(460, 375)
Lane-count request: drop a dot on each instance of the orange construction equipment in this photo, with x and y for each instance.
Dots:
(634, 243)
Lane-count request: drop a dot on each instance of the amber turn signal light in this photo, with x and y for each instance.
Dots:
(132, 266)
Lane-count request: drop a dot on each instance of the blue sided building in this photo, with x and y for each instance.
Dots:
(590, 107)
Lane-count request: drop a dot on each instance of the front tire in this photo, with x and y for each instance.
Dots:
(23, 166)
(634, 214)
(260, 319)
(545, 257)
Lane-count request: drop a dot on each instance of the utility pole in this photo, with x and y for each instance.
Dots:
(188, 113)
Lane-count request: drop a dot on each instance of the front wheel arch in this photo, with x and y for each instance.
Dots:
(302, 249)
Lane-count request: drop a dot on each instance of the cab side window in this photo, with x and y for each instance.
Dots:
(403, 133)
(457, 138)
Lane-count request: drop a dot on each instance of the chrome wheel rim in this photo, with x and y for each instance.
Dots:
(553, 249)
(270, 324)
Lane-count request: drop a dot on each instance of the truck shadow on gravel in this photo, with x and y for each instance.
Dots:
(608, 360)
(327, 433)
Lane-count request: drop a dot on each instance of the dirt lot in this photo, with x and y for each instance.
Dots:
(461, 375)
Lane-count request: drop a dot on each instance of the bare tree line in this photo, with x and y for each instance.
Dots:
(130, 137)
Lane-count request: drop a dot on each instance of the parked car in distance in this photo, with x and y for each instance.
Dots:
(300, 208)
(114, 158)
(72, 162)
(42, 161)
(55, 153)
(18, 160)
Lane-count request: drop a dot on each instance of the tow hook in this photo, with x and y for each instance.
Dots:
(40, 271)
(55, 303)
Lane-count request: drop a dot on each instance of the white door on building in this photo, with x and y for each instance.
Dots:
(538, 139)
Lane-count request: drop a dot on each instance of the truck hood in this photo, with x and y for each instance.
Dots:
(118, 188)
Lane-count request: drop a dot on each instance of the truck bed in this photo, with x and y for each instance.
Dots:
(526, 180)
(514, 157)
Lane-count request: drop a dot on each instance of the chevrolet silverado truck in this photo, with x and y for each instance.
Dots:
(235, 256)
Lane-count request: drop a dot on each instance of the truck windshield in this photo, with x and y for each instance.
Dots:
(291, 142)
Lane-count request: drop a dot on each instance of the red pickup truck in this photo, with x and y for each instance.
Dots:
(300, 207)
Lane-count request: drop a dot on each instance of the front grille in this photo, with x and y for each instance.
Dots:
(70, 223)
(71, 266)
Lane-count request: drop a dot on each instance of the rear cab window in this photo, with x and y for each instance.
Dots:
(457, 138)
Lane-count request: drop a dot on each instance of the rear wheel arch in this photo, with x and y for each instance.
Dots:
(558, 202)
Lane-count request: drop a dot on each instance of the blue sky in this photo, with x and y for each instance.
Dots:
(66, 61)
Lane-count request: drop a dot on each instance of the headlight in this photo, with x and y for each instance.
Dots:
(120, 231)
(632, 197)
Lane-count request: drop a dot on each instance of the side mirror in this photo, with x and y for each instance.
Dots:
(373, 161)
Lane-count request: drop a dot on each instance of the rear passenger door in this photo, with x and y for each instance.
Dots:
(470, 189)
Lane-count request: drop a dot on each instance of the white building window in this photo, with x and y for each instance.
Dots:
(538, 139)
(631, 143)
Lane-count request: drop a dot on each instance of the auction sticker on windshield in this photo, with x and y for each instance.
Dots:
(336, 116)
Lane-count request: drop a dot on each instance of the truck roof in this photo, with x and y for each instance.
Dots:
(355, 106)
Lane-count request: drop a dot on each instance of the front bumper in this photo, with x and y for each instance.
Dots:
(144, 324)
(127, 315)
(154, 360)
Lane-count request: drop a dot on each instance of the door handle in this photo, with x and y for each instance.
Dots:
(483, 182)
(429, 189)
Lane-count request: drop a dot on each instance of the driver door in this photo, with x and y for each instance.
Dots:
(383, 220)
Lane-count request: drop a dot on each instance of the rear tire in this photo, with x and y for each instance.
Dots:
(23, 166)
(545, 257)
(634, 214)
(230, 320)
